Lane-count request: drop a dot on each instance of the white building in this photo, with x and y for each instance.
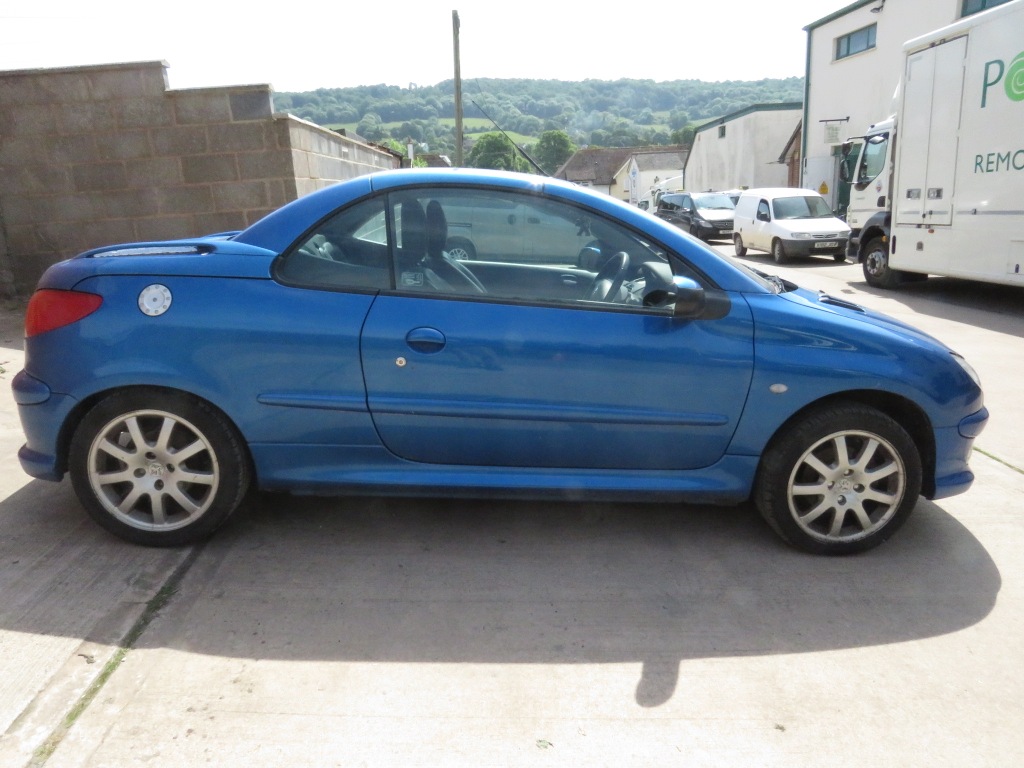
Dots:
(742, 149)
(854, 64)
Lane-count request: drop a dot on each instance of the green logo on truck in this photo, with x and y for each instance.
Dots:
(1011, 76)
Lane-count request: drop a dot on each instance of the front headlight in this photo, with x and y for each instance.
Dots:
(805, 235)
(968, 368)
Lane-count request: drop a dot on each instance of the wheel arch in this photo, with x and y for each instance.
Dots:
(903, 411)
(75, 416)
(875, 227)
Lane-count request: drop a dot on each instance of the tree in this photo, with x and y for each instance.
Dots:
(684, 135)
(552, 149)
(678, 118)
(495, 151)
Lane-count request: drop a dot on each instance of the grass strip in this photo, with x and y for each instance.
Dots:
(1001, 461)
(153, 608)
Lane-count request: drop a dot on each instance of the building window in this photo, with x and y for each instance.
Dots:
(855, 42)
(973, 6)
(721, 131)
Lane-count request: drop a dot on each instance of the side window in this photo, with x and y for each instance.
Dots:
(348, 250)
(874, 159)
(763, 213)
(497, 245)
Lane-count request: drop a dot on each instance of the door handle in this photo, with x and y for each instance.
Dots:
(426, 340)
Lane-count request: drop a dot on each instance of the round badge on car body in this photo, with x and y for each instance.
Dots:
(155, 299)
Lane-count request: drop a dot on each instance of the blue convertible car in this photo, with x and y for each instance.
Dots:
(477, 333)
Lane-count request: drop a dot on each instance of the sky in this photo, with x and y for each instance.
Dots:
(332, 44)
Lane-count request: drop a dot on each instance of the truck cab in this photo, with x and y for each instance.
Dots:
(867, 168)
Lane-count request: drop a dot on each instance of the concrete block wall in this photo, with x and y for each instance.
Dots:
(104, 154)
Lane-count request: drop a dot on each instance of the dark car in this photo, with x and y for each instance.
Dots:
(589, 351)
(706, 215)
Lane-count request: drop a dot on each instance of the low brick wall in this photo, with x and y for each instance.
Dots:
(107, 154)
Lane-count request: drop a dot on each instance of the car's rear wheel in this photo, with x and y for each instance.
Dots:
(778, 251)
(157, 467)
(842, 480)
(741, 249)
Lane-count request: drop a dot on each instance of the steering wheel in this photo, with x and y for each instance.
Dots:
(609, 279)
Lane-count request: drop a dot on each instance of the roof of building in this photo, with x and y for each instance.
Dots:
(594, 165)
(435, 161)
(776, 107)
(837, 14)
(658, 159)
(599, 165)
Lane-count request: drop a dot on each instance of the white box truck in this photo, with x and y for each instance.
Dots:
(939, 187)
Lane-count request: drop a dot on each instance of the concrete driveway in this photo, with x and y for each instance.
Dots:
(425, 632)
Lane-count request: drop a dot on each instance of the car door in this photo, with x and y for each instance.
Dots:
(686, 213)
(525, 379)
(760, 228)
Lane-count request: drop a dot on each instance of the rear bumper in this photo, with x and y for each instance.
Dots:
(42, 414)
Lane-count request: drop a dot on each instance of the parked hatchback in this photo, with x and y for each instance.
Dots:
(337, 347)
(788, 222)
(707, 215)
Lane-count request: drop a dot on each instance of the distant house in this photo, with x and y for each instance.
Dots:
(595, 167)
(854, 64)
(646, 170)
(434, 160)
(741, 149)
(625, 173)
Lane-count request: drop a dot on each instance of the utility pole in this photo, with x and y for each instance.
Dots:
(458, 91)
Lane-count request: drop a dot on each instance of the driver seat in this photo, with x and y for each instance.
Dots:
(450, 272)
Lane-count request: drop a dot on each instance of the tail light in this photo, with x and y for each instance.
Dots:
(50, 309)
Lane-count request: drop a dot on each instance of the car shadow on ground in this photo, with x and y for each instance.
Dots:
(505, 582)
(440, 581)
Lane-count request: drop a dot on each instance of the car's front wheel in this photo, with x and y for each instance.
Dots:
(158, 468)
(877, 271)
(778, 251)
(841, 480)
(737, 241)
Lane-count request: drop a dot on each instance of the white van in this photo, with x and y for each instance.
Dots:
(788, 222)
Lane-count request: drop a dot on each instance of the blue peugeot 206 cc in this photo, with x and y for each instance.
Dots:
(475, 333)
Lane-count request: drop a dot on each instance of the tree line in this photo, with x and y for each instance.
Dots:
(603, 113)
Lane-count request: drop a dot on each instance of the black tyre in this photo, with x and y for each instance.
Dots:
(842, 480)
(460, 249)
(839, 258)
(741, 249)
(778, 251)
(876, 266)
(158, 468)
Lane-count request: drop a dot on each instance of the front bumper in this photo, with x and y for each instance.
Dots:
(953, 446)
(815, 247)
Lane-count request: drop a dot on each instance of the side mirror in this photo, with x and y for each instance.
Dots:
(763, 216)
(847, 147)
(686, 294)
